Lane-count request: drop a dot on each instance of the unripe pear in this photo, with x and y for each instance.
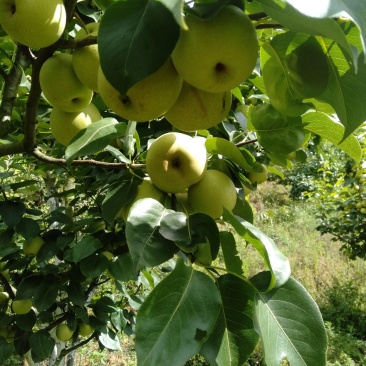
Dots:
(63, 332)
(61, 86)
(175, 161)
(35, 24)
(217, 54)
(197, 109)
(66, 125)
(148, 99)
(32, 247)
(212, 193)
(85, 59)
(21, 306)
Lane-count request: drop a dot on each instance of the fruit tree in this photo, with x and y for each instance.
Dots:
(131, 133)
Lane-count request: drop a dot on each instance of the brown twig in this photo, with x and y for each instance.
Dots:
(247, 142)
(62, 162)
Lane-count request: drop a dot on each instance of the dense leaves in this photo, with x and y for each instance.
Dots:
(160, 271)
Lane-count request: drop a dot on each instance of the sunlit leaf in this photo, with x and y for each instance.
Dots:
(94, 138)
(173, 325)
(291, 317)
(273, 258)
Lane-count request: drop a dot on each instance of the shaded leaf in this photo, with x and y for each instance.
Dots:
(76, 293)
(85, 247)
(12, 212)
(42, 345)
(146, 245)
(233, 262)
(135, 39)
(122, 268)
(94, 265)
(233, 339)
(46, 293)
(289, 315)
(27, 228)
(172, 325)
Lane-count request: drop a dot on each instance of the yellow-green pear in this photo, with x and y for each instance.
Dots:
(175, 161)
(63, 332)
(85, 330)
(22, 306)
(108, 255)
(60, 85)
(197, 109)
(212, 193)
(258, 177)
(4, 297)
(32, 247)
(145, 190)
(34, 23)
(85, 59)
(66, 125)
(148, 99)
(218, 54)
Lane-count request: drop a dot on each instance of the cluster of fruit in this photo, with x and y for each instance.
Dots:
(177, 164)
(192, 89)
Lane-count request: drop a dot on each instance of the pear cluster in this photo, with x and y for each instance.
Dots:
(192, 89)
(177, 165)
(68, 82)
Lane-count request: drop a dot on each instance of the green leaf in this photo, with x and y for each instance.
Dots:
(232, 260)
(76, 293)
(119, 195)
(94, 138)
(146, 245)
(244, 210)
(46, 293)
(26, 321)
(122, 268)
(118, 320)
(6, 350)
(346, 90)
(110, 340)
(135, 38)
(27, 228)
(277, 133)
(290, 326)
(42, 345)
(173, 325)
(273, 258)
(290, 17)
(28, 286)
(94, 265)
(12, 212)
(233, 339)
(174, 227)
(332, 131)
(85, 247)
(217, 145)
(355, 9)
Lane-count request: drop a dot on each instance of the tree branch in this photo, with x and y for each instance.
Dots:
(62, 162)
(12, 81)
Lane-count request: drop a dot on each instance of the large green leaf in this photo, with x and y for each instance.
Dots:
(122, 268)
(135, 38)
(94, 138)
(331, 130)
(146, 245)
(83, 248)
(176, 318)
(233, 339)
(293, 19)
(290, 326)
(273, 258)
(27, 228)
(12, 212)
(42, 345)
(355, 9)
(6, 350)
(46, 293)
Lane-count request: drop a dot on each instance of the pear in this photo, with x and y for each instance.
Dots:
(197, 109)
(148, 99)
(85, 59)
(175, 161)
(60, 85)
(218, 54)
(35, 24)
(65, 125)
(212, 193)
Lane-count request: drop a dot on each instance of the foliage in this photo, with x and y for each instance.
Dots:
(310, 78)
